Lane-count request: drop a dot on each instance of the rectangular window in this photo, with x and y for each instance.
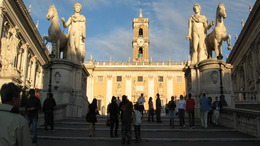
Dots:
(160, 78)
(100, 79)
(119, 78)
(140, 78)
(179, 79)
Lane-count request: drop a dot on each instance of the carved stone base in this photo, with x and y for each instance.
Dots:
(68, 86)
(204, 77)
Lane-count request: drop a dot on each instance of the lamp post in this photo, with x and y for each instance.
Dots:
(51, 62)
(222, 97)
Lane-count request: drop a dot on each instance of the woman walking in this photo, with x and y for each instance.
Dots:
(92, 116)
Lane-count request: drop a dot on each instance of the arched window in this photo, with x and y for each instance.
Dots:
(140, 52)
(140, 32)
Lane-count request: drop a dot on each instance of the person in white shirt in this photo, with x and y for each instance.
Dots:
(141, 102)
(181, 111)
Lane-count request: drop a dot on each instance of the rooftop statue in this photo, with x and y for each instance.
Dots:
(56, 35)
(198, 26)
(219, 34)
(76, 35)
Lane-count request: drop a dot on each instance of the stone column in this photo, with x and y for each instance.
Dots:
(33, 72)
(2, 11)
(90, 88)
(169, 87)
(128, 87)
(25, 63)
(41, 78)
(151, 87)
(19, 60)
(29, 67)
(109, 89)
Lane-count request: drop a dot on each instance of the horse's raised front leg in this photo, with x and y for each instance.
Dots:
(47, 40)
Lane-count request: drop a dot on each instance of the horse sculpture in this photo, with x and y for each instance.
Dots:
(55, 34)
(215, 39)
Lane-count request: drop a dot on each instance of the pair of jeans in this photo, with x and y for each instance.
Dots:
(150, 115)
(33, 122)
(113, 122)
(126, 131)
(191, 117)
(204, 118)
(181, 116)
(171, 116)
(137, 132)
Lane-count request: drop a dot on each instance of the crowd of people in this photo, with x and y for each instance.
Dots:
(129, 114)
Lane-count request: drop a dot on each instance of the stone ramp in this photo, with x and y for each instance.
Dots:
(75, 131)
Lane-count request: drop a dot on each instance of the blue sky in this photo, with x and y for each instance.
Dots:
(109, 30)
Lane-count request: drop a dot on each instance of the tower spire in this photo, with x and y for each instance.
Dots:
(141, 14)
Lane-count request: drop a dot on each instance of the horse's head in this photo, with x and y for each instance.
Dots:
(221, 10)
(51, 12)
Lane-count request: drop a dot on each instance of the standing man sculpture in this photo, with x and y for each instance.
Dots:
(198, 26)
(76, 34)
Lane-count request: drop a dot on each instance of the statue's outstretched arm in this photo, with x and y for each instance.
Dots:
(65, 25)
(208, 26)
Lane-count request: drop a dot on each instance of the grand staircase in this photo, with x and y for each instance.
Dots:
(75, 132)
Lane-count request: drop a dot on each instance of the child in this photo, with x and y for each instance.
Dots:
(137, 123)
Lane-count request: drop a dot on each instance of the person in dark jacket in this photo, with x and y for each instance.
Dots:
(33, 105)
(127, 118)
(114, 113)
(158, 109)
(92, 116)
(172, 106)
(48, 108)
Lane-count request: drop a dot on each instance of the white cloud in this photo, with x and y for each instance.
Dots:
(117, 45)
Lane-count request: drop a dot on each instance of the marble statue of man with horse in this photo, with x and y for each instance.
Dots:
(201, 44)
(73, 44)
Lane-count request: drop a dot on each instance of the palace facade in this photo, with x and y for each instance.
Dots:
(136, 76)
(245, 57)
(22, 54)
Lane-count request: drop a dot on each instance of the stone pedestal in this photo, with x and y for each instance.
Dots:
(68, 86)
(205, 77)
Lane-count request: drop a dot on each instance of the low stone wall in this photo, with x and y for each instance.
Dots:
(242, 120)
(59, 113)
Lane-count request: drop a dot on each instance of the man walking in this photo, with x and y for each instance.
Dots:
(32, 107)
(190, 106)
(204, 108)
(141, 102)
(48, 108)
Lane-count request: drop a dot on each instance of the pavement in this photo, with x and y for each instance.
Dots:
(75, 132)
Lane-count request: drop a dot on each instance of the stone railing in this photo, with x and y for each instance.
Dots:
(245, 96)
(245, 121)
(134, 63)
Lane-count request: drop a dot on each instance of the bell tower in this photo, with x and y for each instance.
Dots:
(140, 42)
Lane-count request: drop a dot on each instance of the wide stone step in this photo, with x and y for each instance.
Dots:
(150, 142)
(150, 133)
(77, 130)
